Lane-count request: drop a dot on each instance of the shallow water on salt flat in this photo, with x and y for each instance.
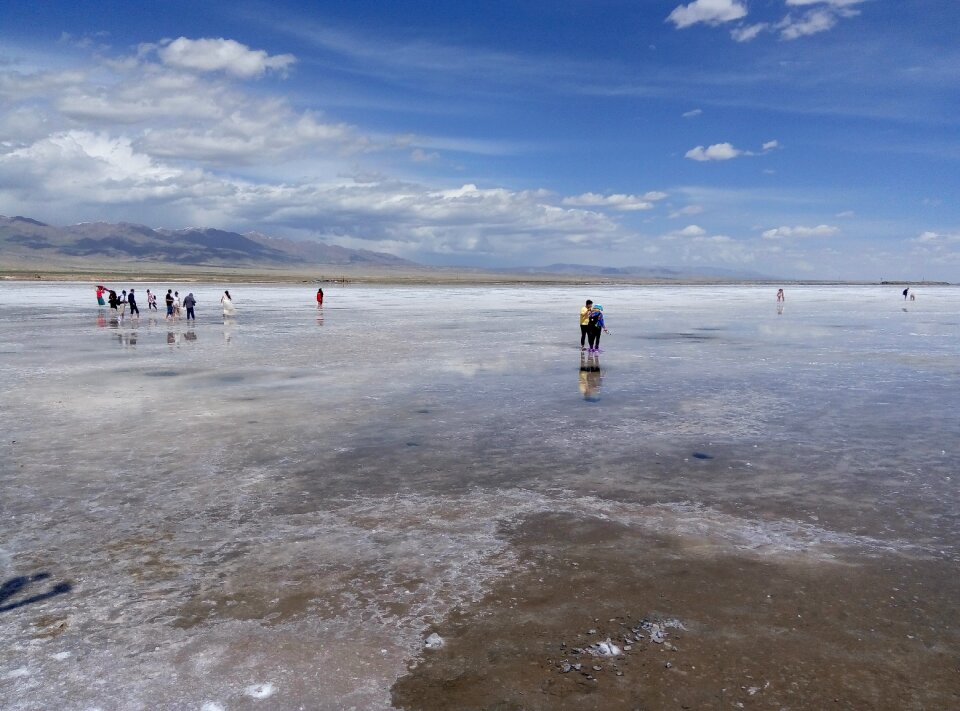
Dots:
(213, 493)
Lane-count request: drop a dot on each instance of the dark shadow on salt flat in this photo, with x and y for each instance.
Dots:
(15, 588)
(160, 373)
(680, 336)
(229, 379)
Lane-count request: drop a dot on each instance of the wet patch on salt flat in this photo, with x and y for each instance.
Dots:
(373, 573)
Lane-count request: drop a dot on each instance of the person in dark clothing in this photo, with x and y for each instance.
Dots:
(132, 300)
(597, 326)
(169, 299)
(189, 302)
(905, 292)
(112, 300)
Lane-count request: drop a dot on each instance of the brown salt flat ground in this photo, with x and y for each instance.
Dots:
(789, 633)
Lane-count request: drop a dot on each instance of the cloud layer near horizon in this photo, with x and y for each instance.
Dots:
(174, 127)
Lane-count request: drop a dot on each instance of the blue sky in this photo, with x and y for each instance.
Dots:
(794, 138)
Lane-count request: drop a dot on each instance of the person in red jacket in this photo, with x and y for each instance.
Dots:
(319, 298)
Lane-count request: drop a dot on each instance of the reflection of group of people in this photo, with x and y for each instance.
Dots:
(175, 307)
(591, 326)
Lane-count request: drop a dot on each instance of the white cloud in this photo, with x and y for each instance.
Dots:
(726, 151)
(711, 12)
(268, 131)
(718, 151)
(688, 231)
(800, 231)
(846, 214)
(823, 15)
(692, 114)
(748, 32)
(809, 24)
(687, 210)
(212, 55)
(19, 86)
(82, 172)
(938, 238)
(938, 247)
(615, 201)
(832, 3)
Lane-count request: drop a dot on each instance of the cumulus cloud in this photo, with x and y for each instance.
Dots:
(800, 231)
(213, 55)
(688, 231)
(726, 151)
(710, 12)
(76, 170)
(718, 151)
(616, 201)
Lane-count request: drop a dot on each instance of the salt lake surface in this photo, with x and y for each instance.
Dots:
(274, 512)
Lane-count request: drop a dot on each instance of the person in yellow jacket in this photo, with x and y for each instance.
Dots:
(585, 323)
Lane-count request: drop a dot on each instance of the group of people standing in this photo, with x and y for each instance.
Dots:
(175, 306)
(591, 326)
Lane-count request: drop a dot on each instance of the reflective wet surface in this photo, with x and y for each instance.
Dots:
(273, 511)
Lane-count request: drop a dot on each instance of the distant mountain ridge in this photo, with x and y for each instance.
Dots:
(26, 238)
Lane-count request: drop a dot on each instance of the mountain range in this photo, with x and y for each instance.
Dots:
(29, 243)
(25, 239)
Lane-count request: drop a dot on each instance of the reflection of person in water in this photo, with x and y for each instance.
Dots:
(591, 377)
